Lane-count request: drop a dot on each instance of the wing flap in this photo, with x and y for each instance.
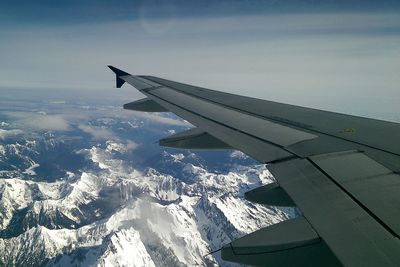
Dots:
(289, 243)
(356, 237)
(373, 186)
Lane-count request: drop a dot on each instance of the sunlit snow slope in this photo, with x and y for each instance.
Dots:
(99, 192)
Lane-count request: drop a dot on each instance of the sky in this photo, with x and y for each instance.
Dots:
(335, 55)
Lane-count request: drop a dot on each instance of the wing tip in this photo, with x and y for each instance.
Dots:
(118, 73)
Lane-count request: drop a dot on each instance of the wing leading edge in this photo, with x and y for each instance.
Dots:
(341, 171)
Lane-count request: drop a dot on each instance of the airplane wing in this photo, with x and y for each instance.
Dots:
(341, 171)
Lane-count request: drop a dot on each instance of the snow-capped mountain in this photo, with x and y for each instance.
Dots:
(102, 194)
(118, 215)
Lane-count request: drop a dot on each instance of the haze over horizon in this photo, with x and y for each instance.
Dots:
(337, 55)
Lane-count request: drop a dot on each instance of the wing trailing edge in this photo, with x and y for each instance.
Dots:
(289, 243)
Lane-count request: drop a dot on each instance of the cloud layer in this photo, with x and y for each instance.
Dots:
(340, 62)
(9, 133)
(97, 132)
(40, 121)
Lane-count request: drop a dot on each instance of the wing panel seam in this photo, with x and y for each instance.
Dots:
(312, 243)
(376, 218)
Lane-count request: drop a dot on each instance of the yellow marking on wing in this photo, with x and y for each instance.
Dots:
(348, 130)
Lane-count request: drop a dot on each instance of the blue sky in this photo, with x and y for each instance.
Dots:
(78, 11)
(337, 55)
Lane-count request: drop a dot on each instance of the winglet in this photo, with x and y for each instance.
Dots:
(119, 73)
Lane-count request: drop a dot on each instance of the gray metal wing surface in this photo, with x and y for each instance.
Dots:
(341, 171)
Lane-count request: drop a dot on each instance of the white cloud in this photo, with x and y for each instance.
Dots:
(130, 145)
(97, 132)
(157, 117)
(121, 147)
(40, 121)
(9, 133)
